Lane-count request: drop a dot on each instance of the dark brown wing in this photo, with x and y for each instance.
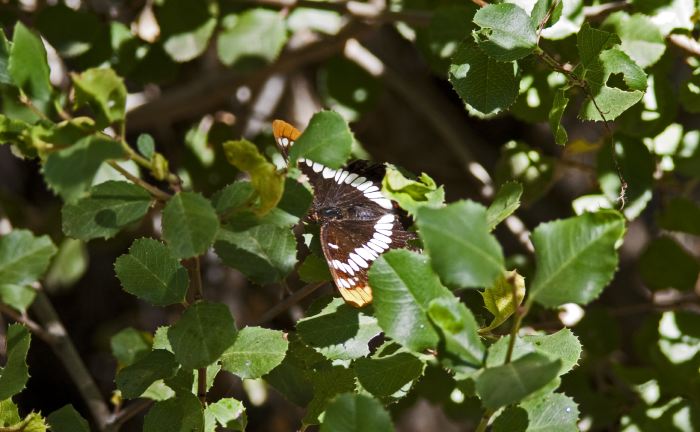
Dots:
(350, 247)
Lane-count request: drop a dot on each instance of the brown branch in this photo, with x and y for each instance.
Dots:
(134, 408)
(154, 191)
(687, 44)
(356, 9)
(602, 10)
(64, 349)
(289, 301)
(209, 90)
(33, 327)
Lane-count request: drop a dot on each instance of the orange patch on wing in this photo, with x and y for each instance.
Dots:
(357, 296)
(282, 129)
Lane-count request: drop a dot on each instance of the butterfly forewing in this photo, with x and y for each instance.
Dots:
(358, 223)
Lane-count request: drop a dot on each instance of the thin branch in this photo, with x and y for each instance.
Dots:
(602, 10)
(210, 90)
(485, 418)
(289, 301)
(157, 193)
(134, 408)
(355, 9)
(33, 327)
(689, 45)
(63, 347)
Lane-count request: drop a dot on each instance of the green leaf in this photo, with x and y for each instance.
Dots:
(130, 345)
(23, 257)
(255, 36)
(19, 297)
(512, 382)
(339, 331)
(70, 171)
(263, 174)
(562, 345)
(69, 265)
(228, 413)
(326, 140)
(356, 413)
(233, 197)
(666, 264)
(134, 379)
(534, 170)
(412, 194)
(205, 330)
(592, 42)
(682, 215)
(554, 412)
(67, 419)
(185, 27)
(292, 378)
(641, 38)
(555, 116)
(9, 415)
(448, 27)
(182, 413)
(463, 350)
(292, 207)
(576, 257)
(255, 352)
(15, 373)
(190, 224)
(314, 269)
(503, 298)
(103, 91)
(403, 285)
(461, 250)
(601, 59)
(507, 33)
(28, 66)
(265, 253)
(150, 272)
(542, 8)
(484, 84)
(5, 77)
(108, 208)
(327, 383)
(72, 33)
(504, 204)
(146, 145)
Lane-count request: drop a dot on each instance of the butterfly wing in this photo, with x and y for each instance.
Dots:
(350, 247)
(285, 136)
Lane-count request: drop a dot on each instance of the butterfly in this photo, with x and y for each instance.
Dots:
(357, 222)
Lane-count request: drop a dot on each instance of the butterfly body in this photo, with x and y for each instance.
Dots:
(357, 222)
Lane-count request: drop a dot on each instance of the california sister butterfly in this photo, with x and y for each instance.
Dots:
(357, 222)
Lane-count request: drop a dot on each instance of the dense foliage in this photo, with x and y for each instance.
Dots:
(149, 121)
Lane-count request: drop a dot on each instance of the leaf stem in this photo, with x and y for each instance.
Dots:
(157, 193)
(484, 423)
(202, 385)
